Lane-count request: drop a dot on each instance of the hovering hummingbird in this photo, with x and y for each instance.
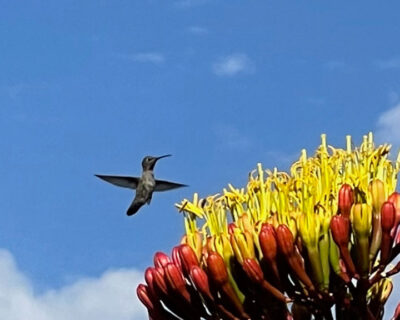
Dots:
(144, 186)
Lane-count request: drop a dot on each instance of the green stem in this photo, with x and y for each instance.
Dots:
(324, 255)
(313, 255)
(334, 255)
(363, 264)
(235, 287)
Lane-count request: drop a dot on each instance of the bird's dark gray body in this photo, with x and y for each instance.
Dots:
(144, 192)
(144, 186)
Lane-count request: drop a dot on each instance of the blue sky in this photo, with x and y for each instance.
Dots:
(93, 86)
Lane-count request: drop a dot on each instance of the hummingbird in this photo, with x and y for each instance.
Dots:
(144, 186)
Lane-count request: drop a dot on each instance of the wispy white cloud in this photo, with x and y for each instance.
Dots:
(392, 63)
(197, 30)
(388, 129)
(233, 64)
(111, 296)
(150, 57)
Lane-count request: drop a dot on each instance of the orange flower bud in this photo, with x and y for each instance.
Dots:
(269, 247)
(219, 274)
(346, 200)
(285, 240)
(216, 268)
(268, 244)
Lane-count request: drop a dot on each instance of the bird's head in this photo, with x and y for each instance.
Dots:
(149, 162)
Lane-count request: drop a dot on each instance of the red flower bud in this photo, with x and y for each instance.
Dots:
(253, 270)
(174, 277)
(188, 258)
(159, 281)
(388, 214)
(176, 257)
(285, 240)
(161, 260)
(149, 278)
(340, 230)
(219, 274)
(216, 268)
(176, 281)
(346, 200)
(340, 234)
(395, 199)
(144, 297)
(269, 246)
(286, 246)
(200, 281)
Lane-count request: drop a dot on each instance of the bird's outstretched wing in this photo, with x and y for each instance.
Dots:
(121, 181)
(162, 185)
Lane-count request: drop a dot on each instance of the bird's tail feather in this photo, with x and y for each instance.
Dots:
(135, 206)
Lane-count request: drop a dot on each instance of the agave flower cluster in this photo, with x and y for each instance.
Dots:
(291, 245)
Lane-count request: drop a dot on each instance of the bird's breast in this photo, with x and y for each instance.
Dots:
(148, 181)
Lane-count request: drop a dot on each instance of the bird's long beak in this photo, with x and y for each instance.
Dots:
(164, 156)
